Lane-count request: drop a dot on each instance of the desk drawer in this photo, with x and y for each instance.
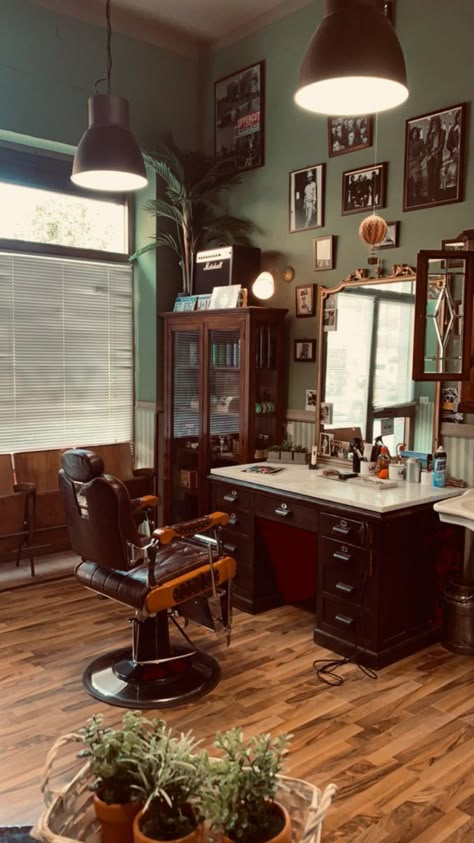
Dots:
(334, 552)
(228, 498)
(287, 511)
(343, 619)
(344, 529)
(342, 581)
(239, 522)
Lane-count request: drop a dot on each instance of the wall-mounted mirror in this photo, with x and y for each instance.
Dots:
(365, 358)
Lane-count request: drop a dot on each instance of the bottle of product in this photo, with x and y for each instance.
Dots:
(439, 467)
(383, 462)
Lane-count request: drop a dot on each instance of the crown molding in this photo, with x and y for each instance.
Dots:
(141, 27)
(283, 10)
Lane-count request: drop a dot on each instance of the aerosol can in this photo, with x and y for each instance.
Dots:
(439, 467)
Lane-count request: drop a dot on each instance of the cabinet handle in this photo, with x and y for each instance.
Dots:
(343, 586)
(342, 557)
(231, 497)
(283, 510)
(230, 548)
(343, 531)
(233, 520)
(344, 619)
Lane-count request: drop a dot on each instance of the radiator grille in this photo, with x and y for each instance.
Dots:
(144, 450)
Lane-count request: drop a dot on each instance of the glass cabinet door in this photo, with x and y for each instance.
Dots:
(224, 396)
(267, 390)
(186, 423)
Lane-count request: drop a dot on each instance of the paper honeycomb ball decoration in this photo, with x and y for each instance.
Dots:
(372, 230)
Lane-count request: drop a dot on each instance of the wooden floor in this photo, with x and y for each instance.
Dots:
(400, 749)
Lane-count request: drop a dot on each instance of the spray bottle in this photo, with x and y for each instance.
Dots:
(439, 467)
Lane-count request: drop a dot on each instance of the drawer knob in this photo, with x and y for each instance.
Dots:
(344, 619)
(283, 510)
(232, 496)
(341, 530)
(342, 557)
(345, 587)
(233, 520)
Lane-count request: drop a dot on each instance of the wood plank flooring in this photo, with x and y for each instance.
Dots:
(400, 749)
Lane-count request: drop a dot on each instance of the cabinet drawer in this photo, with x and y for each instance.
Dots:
(343, 619)
(342, 581)
(236, 545)
(332, 552)
(344, 529)
(287, 511)
(239, 522)
(225, 496)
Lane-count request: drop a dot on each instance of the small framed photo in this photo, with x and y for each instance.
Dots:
(305, 351)
(348, 134)
(364, 189)
(307, 198)
(326, 413)
(184, 303)
(239, 117)
(323, 252)
(224, 297)
(310, 399)
(434, 158)
(329, 318)
(392, 237)
(325, 444)
(305, 300)
(203, 301)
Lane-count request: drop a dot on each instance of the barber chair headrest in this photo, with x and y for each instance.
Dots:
(82, 465)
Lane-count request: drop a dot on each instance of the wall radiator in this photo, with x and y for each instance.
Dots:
(460, 451)
(145, 434)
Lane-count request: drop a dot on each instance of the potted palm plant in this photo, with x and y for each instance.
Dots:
(115, 756)
(173, 777)
(188, 214)
(239, 799)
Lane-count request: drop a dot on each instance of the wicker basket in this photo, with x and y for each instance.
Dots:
(69, 813)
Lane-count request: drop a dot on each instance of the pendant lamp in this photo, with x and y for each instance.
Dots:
(354, 63)
(108, 157)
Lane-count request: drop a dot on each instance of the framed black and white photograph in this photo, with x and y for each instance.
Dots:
(348, 134)
(305, 351)
(392, 237)
(364, 189)
(326, 413)
(310, 400)
(325, 444)
(239, 115)
(323, 252)
(305, 300)
(307, 198)
(434, 158)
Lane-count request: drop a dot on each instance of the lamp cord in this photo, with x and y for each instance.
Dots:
(376, 128)
(109, 52)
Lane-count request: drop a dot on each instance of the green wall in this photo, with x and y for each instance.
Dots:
(436, 37)
(48, 65)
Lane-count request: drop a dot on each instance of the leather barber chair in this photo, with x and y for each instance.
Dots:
(177, 574)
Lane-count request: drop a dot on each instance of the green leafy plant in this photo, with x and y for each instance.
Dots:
(286, 445)
(117, 756)
(172, 781)
(188, 216)
(239, 797)
(299, 449)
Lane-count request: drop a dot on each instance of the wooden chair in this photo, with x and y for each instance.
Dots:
(16, 511)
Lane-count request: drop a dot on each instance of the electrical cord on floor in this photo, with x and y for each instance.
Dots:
(327, 672)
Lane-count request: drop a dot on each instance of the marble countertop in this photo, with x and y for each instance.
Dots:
(299, 480)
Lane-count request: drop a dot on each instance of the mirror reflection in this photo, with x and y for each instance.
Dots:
(365, 365)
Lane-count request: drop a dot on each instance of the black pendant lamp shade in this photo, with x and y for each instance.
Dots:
(108, 157)
(354, 63)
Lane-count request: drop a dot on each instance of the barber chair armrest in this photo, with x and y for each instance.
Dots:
(144, 472)
(145, 502)
(165, 535)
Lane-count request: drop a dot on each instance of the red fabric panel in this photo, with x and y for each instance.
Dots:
(293, 554)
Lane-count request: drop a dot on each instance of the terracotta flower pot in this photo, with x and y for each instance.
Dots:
(116, 820)
(196, 836)
(283, 836)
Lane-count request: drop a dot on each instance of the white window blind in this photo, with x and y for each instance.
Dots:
(66, 352)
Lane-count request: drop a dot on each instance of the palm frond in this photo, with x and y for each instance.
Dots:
(227, 229)
(160, 208)
(161, 240)
(174, 187)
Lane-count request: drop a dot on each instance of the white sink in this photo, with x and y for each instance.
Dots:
(459, 510)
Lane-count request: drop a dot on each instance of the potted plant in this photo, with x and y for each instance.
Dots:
(115, 756)
(239, 799)
(286, 448)
(172, 782)
(274, 453)
(299, 454)
(188, 216)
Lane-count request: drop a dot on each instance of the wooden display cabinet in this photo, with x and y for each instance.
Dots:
(224, 404)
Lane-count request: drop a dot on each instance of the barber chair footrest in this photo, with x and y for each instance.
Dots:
(116, 679)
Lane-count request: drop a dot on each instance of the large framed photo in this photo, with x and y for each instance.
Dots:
(434, 158)
(305, 300)
(347, 134)
(239, 116)
(307, 198)
(364, 189)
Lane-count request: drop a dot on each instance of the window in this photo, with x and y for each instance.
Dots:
(66, 352)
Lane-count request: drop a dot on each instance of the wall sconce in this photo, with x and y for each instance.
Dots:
(338, 76)
(264, 285)
(108, 157)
